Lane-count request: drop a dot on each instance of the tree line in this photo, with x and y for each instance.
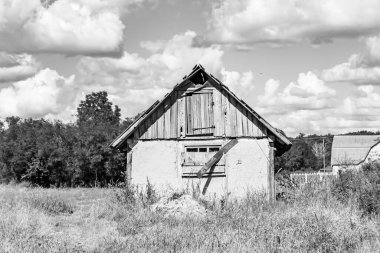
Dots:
(60, 154)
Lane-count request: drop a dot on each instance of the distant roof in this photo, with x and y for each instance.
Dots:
(280, 138)
(352, 149)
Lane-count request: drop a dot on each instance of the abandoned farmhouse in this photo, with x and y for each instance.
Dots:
(202, 135)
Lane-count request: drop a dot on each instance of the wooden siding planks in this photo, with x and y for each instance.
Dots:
(229, 117)
(173, 115)
(199, 113)
(218, 114)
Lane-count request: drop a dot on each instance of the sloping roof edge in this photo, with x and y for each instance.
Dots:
(129, 131)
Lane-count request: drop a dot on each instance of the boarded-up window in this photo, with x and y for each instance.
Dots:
(197, 156)
(199, 114)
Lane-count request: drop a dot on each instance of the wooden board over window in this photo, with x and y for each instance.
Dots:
(197, 156)
(199, 114)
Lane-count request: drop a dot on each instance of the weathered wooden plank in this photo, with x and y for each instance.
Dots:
(142, 136)
(260, 129)
(253, 125)
(249, 125)
(167, 110)
(211, 113)
(239, 119)
(217, 112)
(222, 115)
(201, 112)
(160, 122)
(264, 130)
(191, 169)
(150, 128)
(226, 109)
(141, 130)
(188, 120)
(233, 124)
(182, 112)
(198, 115)
(245, 122)
(147, 126)
(217, 157)
(154, 125)
(271, 184)
(174, 115)
(129, 168)
(136, 134)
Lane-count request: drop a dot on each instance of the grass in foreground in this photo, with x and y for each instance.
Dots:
(98, 220)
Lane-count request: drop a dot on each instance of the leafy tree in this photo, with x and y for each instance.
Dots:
(98, 125)
(53, 153)
(96, 110)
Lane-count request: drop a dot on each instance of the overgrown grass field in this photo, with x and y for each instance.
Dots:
(318, 217)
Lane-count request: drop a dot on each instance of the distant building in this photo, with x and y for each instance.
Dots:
(352, 151)
(202, 135)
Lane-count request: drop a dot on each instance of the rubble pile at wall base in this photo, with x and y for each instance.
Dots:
(183, 206)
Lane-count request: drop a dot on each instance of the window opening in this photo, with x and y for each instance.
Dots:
(202, 149)
(213, 149)
(191, 149)
(197, 156)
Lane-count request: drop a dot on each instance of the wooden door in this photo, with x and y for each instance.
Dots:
(199, 114)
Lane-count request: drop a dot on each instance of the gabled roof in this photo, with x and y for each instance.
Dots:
(352, 149)
(281, 139)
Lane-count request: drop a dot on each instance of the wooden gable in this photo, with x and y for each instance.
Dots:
(199, 110)
(199, 107)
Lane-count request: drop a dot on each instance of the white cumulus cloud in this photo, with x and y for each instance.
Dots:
(45, 94)
(360, 68)
(17, 67)
(308, 93)
(134, 82)
(311, 106)
(299, 106)
(64, 26)
(290, 21)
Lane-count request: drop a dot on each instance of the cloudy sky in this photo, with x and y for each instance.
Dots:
(310, 66)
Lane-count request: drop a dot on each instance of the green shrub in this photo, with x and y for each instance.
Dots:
(149, 196)
(361, 187)
(132, 196)
(125, 194)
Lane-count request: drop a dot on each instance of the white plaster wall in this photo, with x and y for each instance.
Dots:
(247, 168)
(156, 160)
(216, 186)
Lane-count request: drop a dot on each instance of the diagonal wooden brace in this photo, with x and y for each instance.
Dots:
(213, 160)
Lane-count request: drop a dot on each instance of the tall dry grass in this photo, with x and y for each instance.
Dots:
(310, 219)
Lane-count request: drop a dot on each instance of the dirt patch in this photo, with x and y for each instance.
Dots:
(180, 207)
